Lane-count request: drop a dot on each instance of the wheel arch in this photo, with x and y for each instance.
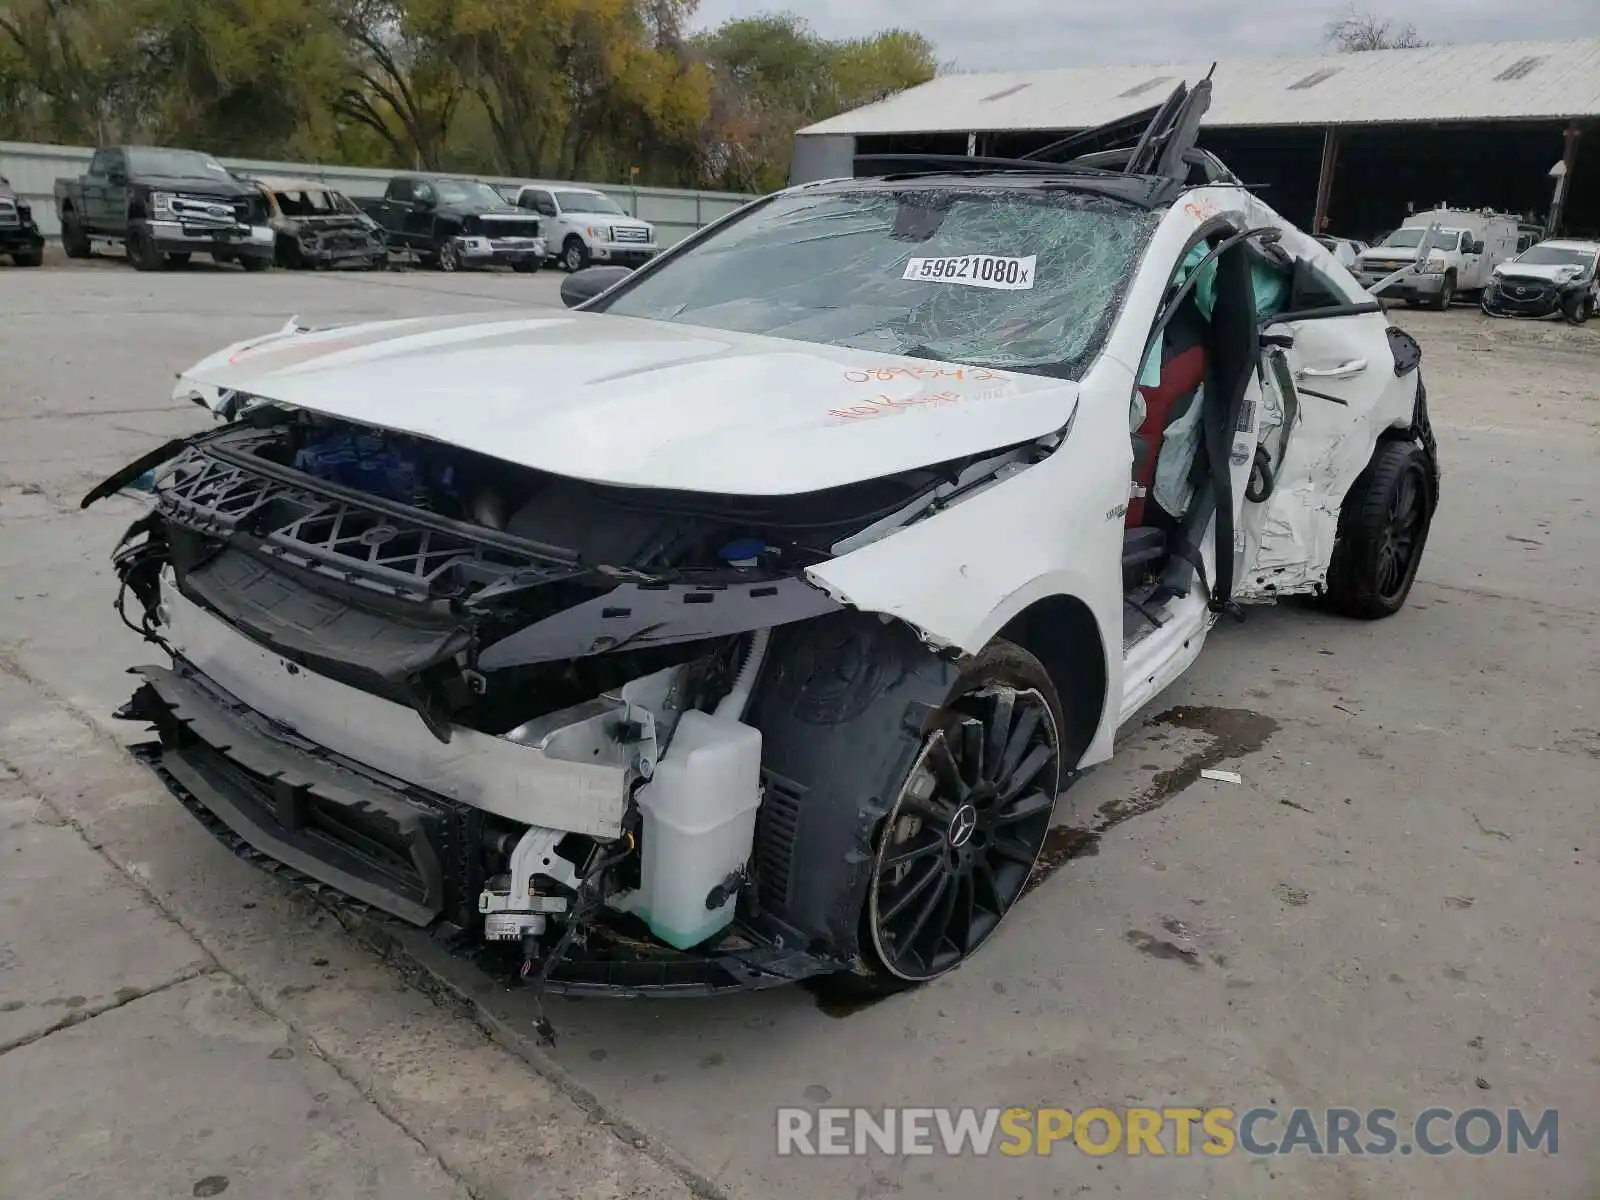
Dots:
(1061, 631)
(1420, 431)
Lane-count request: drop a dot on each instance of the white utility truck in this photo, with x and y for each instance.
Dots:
(1469, 246)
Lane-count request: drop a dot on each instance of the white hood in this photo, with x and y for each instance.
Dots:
(641, 403)
(1391, 253)
(598, 217)
(1554, 272)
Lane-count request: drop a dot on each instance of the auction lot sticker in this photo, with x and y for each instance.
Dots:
(976, 270)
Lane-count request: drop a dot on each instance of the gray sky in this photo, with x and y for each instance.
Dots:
(1001, 34)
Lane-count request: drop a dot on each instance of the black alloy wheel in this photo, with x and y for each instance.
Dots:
(1383, 529)
(956, 850)
(1401, 539)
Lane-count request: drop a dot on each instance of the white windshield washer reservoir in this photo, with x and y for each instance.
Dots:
(699, 821)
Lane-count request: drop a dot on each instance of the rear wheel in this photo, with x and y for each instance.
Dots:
(74, 241)
(1383, 528)
(955, 851)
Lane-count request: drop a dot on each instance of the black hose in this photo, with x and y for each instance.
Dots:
(1260, 470)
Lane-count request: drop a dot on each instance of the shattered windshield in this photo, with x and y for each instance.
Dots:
(1013, 278)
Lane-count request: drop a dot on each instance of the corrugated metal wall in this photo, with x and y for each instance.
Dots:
(675, 212)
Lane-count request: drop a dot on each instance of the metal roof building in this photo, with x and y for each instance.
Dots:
(1385, 119)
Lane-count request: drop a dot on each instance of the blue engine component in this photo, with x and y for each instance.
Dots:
(744, 552)
(371, 463)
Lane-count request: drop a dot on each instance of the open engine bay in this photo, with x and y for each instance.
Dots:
(519, 706)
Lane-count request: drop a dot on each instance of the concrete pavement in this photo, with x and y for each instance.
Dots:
(133, 1065)
(1395, 908)
(179, 1022)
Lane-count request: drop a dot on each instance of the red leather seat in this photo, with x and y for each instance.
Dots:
(1183, 370)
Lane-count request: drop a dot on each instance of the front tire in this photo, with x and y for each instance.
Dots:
(449, 255)
(955, 851)
(33, 257)
(574, 254)
(1447, 293)
(144, 253)
(254, 262)
(1383, 529)
(526, 266)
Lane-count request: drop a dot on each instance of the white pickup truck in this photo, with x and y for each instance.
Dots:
(582, 226)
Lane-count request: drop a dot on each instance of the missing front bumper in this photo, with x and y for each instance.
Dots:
(392, 848)
(374, 845)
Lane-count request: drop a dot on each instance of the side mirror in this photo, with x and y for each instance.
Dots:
(585, 285)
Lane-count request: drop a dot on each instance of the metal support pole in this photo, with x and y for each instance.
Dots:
(1569, 159)
(1330, 156)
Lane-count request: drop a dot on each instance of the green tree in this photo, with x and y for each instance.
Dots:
(631, 100)
(869, 69)
(74, 68)
(772, 75)
(244, 77)
(596, 89)
(399, 80)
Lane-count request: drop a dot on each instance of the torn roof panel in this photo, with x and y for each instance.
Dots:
(1475, 82)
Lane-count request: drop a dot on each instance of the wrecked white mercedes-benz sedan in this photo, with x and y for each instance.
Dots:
(745, 623)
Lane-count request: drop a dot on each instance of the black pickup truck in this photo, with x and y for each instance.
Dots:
(452, 223)
(162, 206)
(19, 235)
